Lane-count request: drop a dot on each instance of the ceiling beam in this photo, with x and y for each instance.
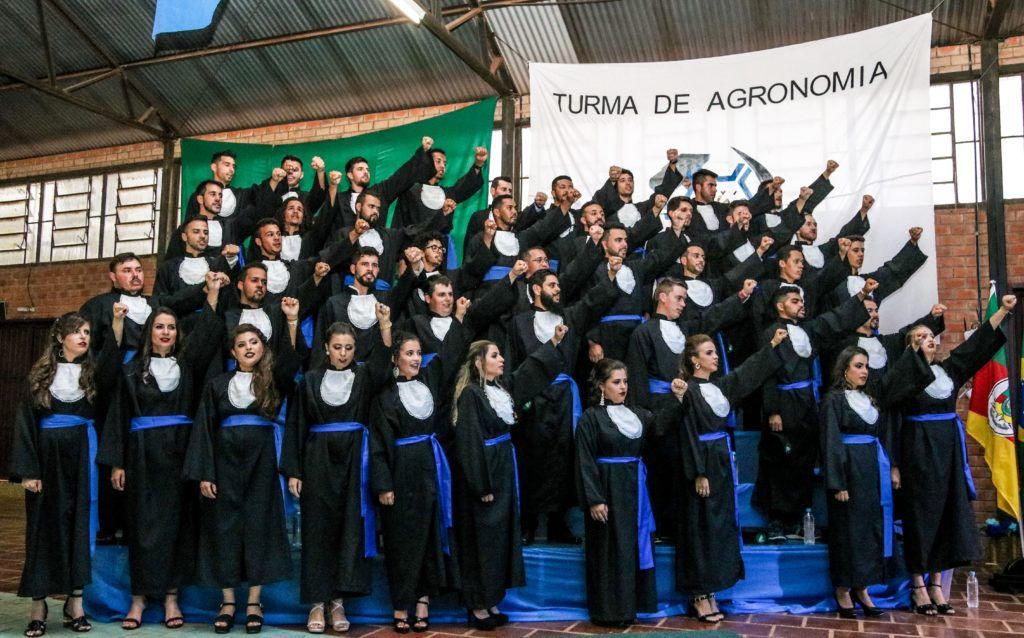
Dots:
(47, 52)
(480, 67)
(314, 34)
(82, 104)
(137, 87)
(995, 12)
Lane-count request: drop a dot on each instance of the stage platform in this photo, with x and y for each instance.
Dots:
(780, 578)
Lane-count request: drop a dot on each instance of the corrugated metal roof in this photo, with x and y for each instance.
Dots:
(388, 67)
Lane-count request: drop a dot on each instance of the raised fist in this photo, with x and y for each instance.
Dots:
(290, 308)
(613, 172)
(659, 203)
(844, 246)
(229, 250)
(749, 285)
(518, 269)
(317, 163)
(448, 207)
(383, 312)
(322, 269)
(120, 310)
(413, 255)
(596, 232)
(766, 243)
(679, 388)
(427, 142)
(335, 177)
(805, 193)
(480, 155)
(361, 226)
(277, 175)
(672, 155)
(870, 285)
(1009, 302)
(575, 196)
(779, 337)
(867, 202)
(830, 167)
(614, 266)
(560, 331)
(915, 234)
(938, 310)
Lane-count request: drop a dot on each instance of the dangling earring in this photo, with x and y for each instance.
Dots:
(602, 398)
(395, 371)
(696, 366)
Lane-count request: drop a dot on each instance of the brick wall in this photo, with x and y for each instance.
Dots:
(57, 288)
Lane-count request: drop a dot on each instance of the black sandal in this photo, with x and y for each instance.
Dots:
(223, 623)
(870, 611)
(78, 625)
(130, 624)
(254, 622)
(177, 621)
(37, 628)
(400, 625)
(706, 618)
(927, 609)
(945, 608)
(421, 623)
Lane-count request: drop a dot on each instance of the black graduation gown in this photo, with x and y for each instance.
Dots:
(545, 231)
(161, 514)
(546, 435)
(411, 208)
(57, 530)
(334, 562)
(251, 205)
(242, 537)
(414, 554)
(707, 538)
(417, 168)
(890, 276)
(830, 249)
(614, 335)
(856, 547)
(490, 544)
(393, 241)
(616, 585)
(169, 282)
(787, 458)
(762, 203)
(938, 521)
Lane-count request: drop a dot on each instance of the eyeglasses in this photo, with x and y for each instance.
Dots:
(436, 247)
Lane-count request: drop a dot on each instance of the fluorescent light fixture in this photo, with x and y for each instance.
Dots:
(410, 8)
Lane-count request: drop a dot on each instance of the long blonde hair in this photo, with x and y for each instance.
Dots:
(470, 372)
(40, 377)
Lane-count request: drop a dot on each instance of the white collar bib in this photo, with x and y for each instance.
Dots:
(854, 284)
(432, 196)
(291, 246)
(744, 251)
(192, 270)
(672, 335)
(942, 386)
(138, 308)
(707, 213)
(629, 215)
(715, 399)
(506, 243)
(362, 311)
(544, 324)
(166, 371)
(372, 239)
(240, 390)
(228, 202)
(277, 275)
(440, 327)
(801, 342)
(216, 236)
(416, 399)
(336, 387)
(257, 317)
(625, 279)
(626, 421)
(861, 404)
(813, 255)
(877, 356)
(65, 385)
(699, 292)
(501, 402)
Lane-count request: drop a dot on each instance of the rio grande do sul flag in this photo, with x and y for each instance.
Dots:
(990, 423)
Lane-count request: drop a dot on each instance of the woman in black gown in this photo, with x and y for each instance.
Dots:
(708, 539)
(487, 485)
(412, 479)
(930, 464)
(854, 449)
(144, 441)
(54, 448)
(611, 480)
(326, 459)
(233, 455)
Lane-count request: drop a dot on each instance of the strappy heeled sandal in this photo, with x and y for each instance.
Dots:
(943, 608)
(174, 622)
(343, 624)
(37, 627)
(706, 618)
(421, 623)
(223, 623)
(928, 609)
(78, 625)
(316, 626)
(400, 625)
(254, 622)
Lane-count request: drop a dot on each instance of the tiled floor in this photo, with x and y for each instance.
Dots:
(998, 615)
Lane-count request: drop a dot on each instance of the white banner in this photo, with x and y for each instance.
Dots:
(860, 99)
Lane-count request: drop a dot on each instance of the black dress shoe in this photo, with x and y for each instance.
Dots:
(500, 619)
(483, 624)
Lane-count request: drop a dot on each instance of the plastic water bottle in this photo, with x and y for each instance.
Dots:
(972, 591)
(808, 527)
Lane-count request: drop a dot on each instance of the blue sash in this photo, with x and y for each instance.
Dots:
(577, 405)
(611, 318)
(730, 420)
(644, 515)
(952, 416)
(427, 358)
(501, 438)
(162, 421)
(553, 265)
(658, 386)
(453, 257)
(884, 483)
(497, 272)
(52, 421)
(797, 385)
(714, 436)
(366, 509)
(380, 285)
(443, 474)
(306, 329)
(129, 355)
(642, 251)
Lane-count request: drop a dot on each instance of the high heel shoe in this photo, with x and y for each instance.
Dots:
(316, 626)
(37, 628)
(79, 625)
(421, 623)
(712, 618)
(928, 609)
(223, 623)
(500, 619)
(844, 612)
(253, 622)
(870, 611)
(944, 608)
(343, 624)
(487, 623)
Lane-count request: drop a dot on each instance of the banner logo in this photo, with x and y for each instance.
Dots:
(999, 418)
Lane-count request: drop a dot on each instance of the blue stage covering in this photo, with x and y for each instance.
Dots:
(790, 578)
